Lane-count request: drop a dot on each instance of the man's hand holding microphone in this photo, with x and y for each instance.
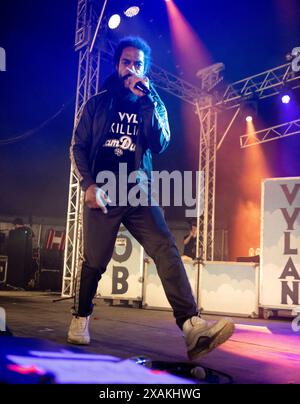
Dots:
(138, 85)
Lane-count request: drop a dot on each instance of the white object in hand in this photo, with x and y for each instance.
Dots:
(102, 199)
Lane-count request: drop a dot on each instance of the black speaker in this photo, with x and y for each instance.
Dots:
(19, 252)
(50, 279)
(3, 247)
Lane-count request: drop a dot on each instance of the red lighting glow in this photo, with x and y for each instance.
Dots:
(25, 370)
(246, 220)
(190, 56)
(189, 51)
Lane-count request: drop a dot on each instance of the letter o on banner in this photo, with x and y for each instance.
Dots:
(123, 249)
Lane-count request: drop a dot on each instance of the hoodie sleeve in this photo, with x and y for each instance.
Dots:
(81, 144)
(155, 122)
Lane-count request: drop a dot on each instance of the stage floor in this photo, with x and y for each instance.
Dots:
(260, 351)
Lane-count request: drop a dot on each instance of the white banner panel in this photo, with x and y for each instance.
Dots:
(154, 295)
(280, 243)
(123, 278)
(229, 288)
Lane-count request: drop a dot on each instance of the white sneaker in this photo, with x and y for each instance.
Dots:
(79, 331)
(202, 337)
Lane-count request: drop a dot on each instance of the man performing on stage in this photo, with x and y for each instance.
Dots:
(124, 125)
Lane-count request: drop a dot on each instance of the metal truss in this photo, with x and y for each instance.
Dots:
(262, 85)
(87, 86)
(267, 135)
(174, 85)
(207, 165)
(209, 78)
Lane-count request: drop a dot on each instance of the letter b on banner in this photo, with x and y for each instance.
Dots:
(119, 280)
(122, 252)
(124, 271)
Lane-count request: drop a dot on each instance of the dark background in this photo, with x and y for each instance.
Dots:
(38, 36)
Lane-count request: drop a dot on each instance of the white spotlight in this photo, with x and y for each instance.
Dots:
(114, 21)
(285, 99)
(132, 11)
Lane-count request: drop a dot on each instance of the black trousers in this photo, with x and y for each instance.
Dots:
(147, 225)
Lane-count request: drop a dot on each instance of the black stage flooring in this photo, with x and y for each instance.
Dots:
(260, 351)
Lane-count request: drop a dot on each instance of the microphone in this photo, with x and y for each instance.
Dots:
(140, 86)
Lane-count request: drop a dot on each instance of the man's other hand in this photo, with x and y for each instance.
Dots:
(96, 198)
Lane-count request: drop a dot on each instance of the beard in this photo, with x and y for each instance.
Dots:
(123, 92)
